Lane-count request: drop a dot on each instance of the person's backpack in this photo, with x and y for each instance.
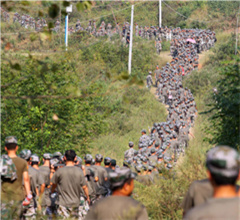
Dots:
(7, 168)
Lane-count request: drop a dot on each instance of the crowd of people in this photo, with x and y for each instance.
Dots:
(168, 140)
(68, 186)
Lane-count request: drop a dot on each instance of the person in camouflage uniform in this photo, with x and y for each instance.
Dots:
(223, 171)
(122, 205)
(149, 80)
(129, 153)
(14, 173)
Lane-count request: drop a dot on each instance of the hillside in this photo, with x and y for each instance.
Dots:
(85, 100)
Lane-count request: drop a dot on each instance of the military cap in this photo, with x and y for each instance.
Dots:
(144, 159)
(153, 150)
(160, 156)
(144, 131)
(138, 168)
(11, 140)
(93, 162)
(150, 72)
(140, 146)
(145, 167)
(120, 176)
(156, 144)
(223, 161)
(35, 158)
(47, 156)
(169, 166)
(107, 160)
(167, 159)
(98, 157)
(135, 153)
(25, 154)
(164, 147)
(150, 143)
(88, 158)
(150, 168)
(54, 161)
(79, 159)
(130, 144)
(57, 154)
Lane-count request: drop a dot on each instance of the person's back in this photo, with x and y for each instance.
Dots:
(119, 205)
(223, 171)
(70, 179)
(217, 208)
(198, 193)
(122, 207)
(13, 190)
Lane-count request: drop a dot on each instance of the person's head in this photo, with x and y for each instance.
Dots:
(88, 159)
(47, 156)
(222, 165)
(11, 144)
(35, 160)
(143, 132)
(78, 161)
(70, 155)
(26, 155)
(122, 181)
(57, 155)
(98, 158)
(107, 161)
(113, 164)
(130, 144)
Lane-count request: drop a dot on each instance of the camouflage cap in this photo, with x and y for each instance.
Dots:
(107, 160)
(35, 158)
(25, 154)
(144, 131)
(169, 166)
(57, 154)
(47, 156)
(88, 158)
(11, 140)
(130, 144)
(138, 168)
(150, 168)
(79, 159)
(153, 150)
(99, 157)
(54, 161)
(223, 161)
(120, 176)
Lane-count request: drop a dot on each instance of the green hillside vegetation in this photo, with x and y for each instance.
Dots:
(163, 200)
(85, 100)
(217, 16)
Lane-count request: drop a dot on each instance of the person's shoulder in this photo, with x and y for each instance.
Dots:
(196, 212)
(19, 160)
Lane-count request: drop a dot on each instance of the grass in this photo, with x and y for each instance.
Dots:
(127, 126)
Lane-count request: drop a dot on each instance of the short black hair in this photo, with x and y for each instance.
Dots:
(70, 155)
(34, 163)
(11, 146)
(222, 180)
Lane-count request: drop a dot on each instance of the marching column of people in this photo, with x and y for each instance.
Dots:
(65, 188)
